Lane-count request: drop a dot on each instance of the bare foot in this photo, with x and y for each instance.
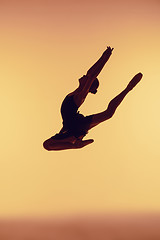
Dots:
(135, 80)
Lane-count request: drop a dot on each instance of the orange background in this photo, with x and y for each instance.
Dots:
(45, 46)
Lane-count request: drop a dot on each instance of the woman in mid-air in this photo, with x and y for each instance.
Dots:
(75, 125)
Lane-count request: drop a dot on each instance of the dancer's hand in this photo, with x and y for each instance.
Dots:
(109, 49)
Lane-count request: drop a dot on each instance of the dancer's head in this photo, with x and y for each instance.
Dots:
(94, 86)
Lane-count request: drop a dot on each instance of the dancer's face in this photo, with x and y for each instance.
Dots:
(94, 87)
(94, 91)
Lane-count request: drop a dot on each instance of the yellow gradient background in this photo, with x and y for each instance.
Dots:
(45, 46)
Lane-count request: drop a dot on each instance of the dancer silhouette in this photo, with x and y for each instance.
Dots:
(75, 125)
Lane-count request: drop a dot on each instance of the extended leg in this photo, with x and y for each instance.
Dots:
(114, 103)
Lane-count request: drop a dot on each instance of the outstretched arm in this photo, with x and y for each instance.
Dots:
(89, 78)
(97, 67)
(94, 71)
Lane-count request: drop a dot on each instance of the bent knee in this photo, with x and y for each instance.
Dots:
(109, 113)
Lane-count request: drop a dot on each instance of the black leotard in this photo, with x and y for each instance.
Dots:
(74, 123)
